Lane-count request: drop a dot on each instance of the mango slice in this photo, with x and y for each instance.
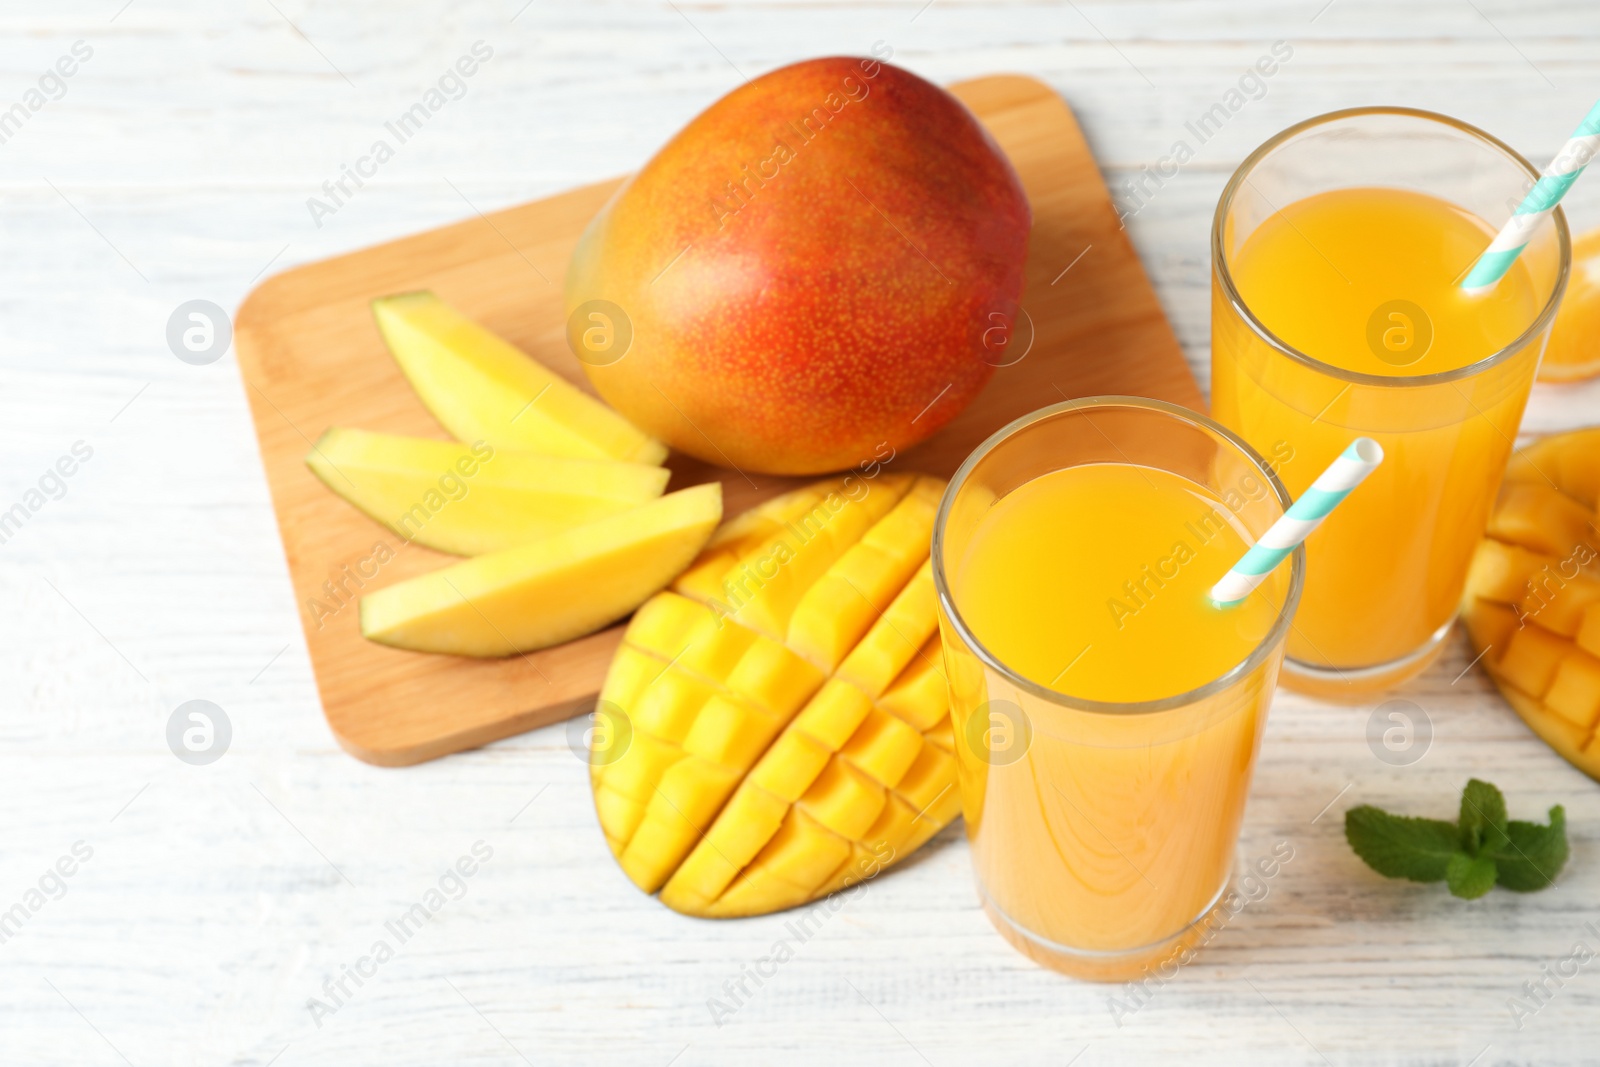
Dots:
(482, 388)
(1573, 351)
(548, 591)
(1532, 603)
(472, 499)
(789, 723)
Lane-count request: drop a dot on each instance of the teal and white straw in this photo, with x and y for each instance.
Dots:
(1346, 472)
(1537, 205)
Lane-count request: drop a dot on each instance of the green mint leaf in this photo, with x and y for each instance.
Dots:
(1483, 819)
(1469, 877)
(1398, 846)
(1533, 854)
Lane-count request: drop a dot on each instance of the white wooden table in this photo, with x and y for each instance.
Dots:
(176, 165)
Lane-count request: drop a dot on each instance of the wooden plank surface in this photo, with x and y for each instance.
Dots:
(178, 165)
(311, 358)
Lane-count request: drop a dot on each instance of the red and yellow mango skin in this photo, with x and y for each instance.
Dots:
(824, 261)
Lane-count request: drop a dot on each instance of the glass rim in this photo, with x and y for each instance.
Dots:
(1224, 275)
(1243, 668)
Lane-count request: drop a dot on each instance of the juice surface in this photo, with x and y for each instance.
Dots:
(1331, 275)
(1092, 581)
(1366, 280)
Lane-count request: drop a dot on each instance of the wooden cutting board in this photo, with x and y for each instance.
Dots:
(312, 358)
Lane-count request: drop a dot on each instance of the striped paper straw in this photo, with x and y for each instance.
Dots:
(1346, 472)
(1537, 205)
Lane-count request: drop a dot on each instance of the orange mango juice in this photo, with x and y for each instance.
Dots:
(1365, 282)
(1106, 831)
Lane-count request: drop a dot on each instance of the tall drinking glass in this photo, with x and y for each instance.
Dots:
(1337, 250)
(1103, 800)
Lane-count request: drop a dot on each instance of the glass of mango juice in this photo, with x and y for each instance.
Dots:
(1338, 248)
(1107, 714)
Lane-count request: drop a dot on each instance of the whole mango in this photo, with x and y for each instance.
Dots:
(827, 260)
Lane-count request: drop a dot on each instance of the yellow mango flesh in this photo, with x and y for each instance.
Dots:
(549, 591)
(1570, 461)
(473, 499)
(482, 388)
(1532, 603)
(1573, 350)
(788, 712)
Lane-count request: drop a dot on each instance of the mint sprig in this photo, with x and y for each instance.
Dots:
(1472, 855)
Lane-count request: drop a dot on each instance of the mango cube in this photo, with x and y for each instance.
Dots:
(1575, 691)
(1541, 518)
(1504, 572)
(1558, 604)
(1531, 659)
